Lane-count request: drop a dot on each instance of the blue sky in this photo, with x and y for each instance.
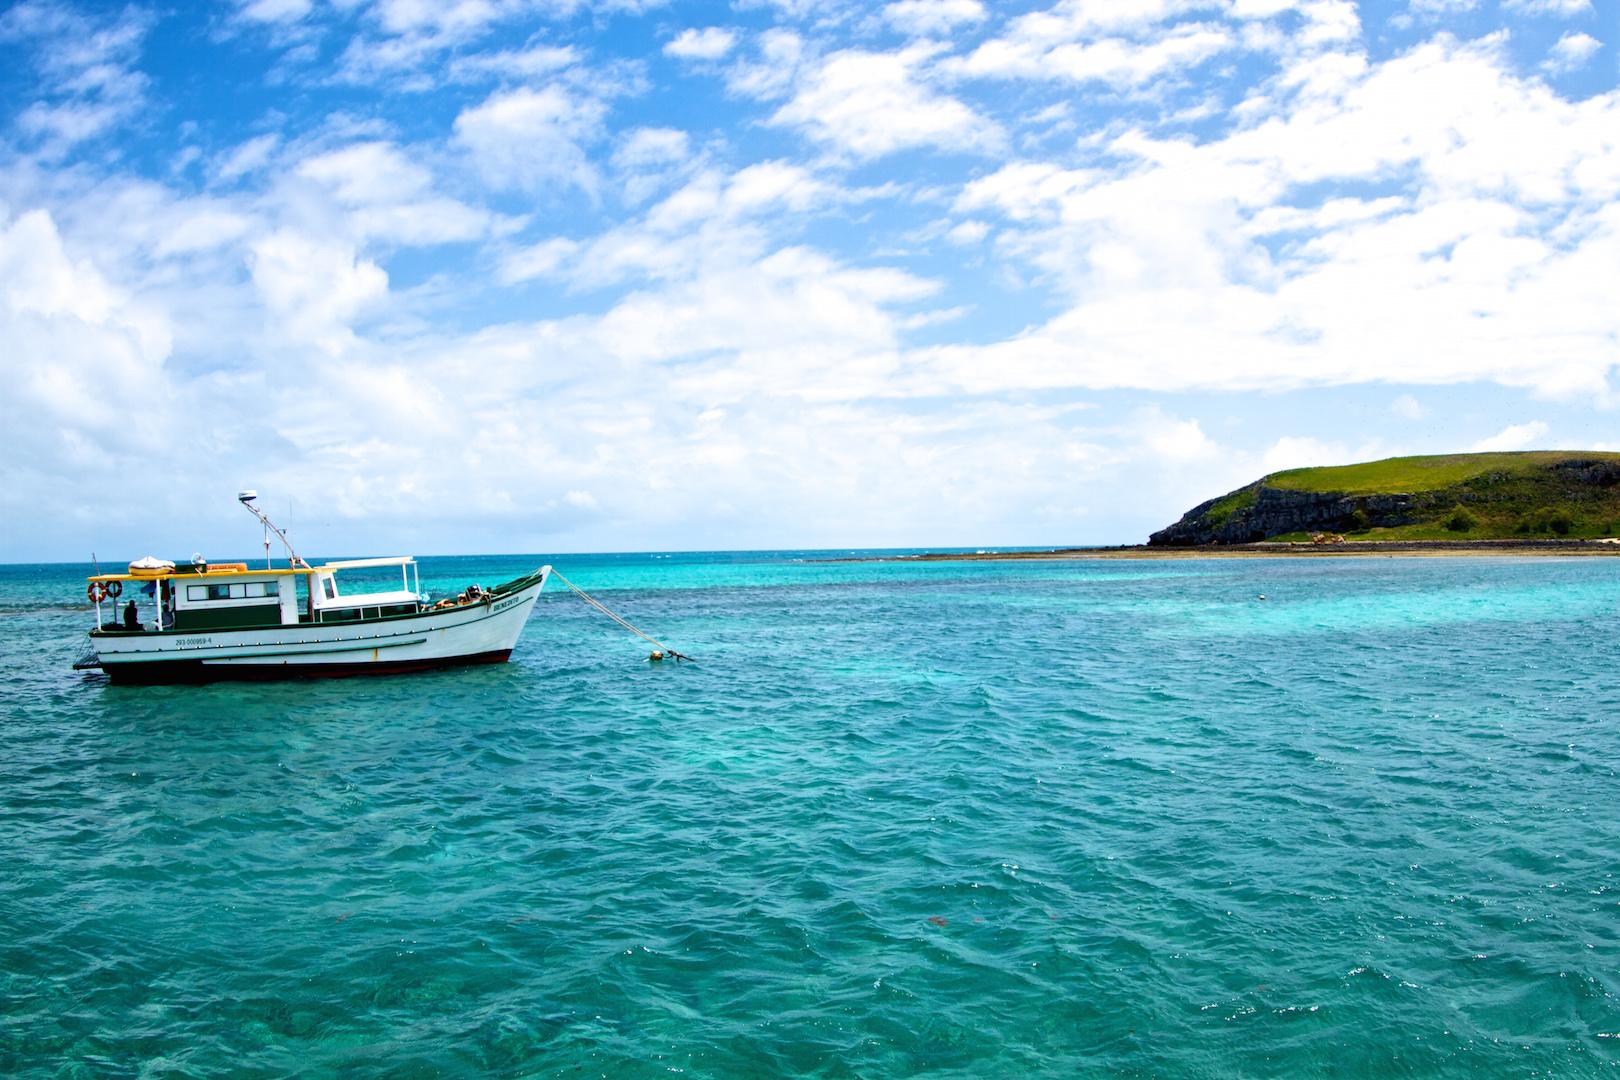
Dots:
(561, 275)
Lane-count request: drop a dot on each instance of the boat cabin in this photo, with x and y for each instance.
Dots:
(200, 596)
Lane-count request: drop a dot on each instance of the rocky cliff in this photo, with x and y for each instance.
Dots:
(1274, 512)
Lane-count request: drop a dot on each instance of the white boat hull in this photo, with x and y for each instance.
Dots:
(482, 632)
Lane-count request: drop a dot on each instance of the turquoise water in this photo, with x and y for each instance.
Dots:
(979, 819)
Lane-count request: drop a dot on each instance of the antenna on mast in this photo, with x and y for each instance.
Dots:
(246, 499)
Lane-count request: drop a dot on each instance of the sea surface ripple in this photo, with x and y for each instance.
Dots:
(976, 819)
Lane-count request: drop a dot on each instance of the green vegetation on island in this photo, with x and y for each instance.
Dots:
(1491, 496)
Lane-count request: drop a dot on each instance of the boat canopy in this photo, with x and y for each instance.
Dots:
(230, 570)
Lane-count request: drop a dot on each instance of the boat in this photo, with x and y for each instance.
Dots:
(200, 622)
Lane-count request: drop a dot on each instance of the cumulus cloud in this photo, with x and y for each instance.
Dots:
(1176, 441)
(872, 103)
(1571, 52)
(1455, 279)
(1408, 407)
(529, 139)
(933, 17)
(968, 232)
(1301, 452)
(1442, 7)
(1115, 61)
(403, 37)
(709, 43)
(1514, 437)
(770, 75)
(315, 287)
(89, 80)
(652, 146)
(49, 295)
(274, 11)
(533, 62)
(386, 195)
(247, 157)
(1563, 9)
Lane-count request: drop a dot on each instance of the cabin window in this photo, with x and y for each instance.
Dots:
(330, 589)
(208, 592)
(244, 591)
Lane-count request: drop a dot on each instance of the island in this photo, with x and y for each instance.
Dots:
(1470, 497)
(1534, 502)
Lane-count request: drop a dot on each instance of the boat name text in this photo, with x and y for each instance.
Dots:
(189, 642)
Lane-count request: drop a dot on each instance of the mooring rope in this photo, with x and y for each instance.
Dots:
(604, 609)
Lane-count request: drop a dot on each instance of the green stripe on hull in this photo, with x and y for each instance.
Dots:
(228, 618)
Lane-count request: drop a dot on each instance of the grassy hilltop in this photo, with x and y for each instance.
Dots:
(1499, 496)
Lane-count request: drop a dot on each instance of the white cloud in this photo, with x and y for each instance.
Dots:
(537, 260)
(385, 195)
(968, 232)
(713, 219)
(315, 287)
(647, 146)
(709, 43)
(205, 229)
(1025, 190)
(1408, 407)
(462, 17)
(529, 139)
(1442, 7)
(247, 157)
(367, 172)
(781, 53)
(1484, 265)
(1572, 51)
(1329, 23)
(89, 79)
(274, 11)
(1173, 440)
(409, 34)
(104, 387)
(1299, 452)
(63, 126)
(1116, 61)
(582, 499)
(933, 17)
(1130, 45)
(1513, 437)
(647, 160)
(772, 184)
(1564, 9)
(531, 63)
(871, 104)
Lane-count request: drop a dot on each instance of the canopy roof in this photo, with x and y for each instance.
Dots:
(222, 574)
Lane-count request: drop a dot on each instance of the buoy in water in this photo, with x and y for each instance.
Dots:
(656, 656)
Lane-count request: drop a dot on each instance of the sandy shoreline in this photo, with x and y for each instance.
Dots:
(1388, 549)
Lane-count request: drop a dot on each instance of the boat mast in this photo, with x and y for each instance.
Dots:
(246, 499)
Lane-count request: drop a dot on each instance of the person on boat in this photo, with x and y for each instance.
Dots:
(131, 618)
